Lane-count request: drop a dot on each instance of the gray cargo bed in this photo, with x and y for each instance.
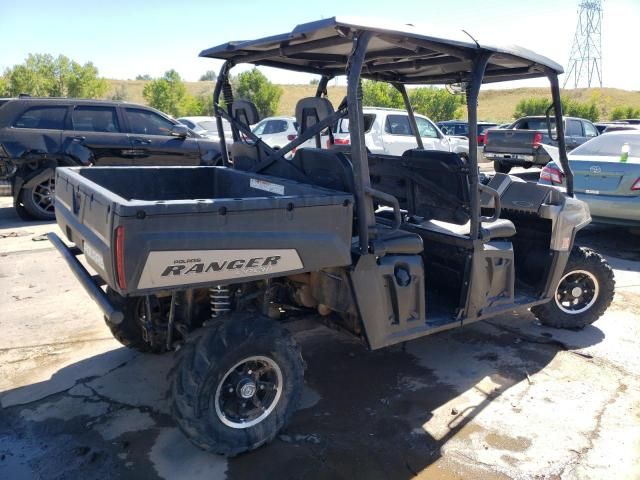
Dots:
(182, 227)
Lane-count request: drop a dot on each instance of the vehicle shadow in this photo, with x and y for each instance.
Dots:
(10, 219)
(383, 414)
(621, 246)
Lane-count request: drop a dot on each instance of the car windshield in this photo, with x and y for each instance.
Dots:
(208, 125)
(609, 146)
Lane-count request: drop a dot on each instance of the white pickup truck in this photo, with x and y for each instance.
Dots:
(388, 131)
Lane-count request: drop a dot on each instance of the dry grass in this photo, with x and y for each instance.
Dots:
(494, 105)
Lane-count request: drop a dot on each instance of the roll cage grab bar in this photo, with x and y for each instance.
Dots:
(363, 192)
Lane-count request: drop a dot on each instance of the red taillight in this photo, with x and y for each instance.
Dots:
(551, 174)
(636, 185)
(291, 138)
(482, 138)
(120, 278)
(537, 139)
(341, 141)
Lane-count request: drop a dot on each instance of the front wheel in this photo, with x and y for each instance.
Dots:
(236, 383)
(583, 294)
(500, 167)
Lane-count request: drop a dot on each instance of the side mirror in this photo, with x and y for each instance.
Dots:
(553, 135)
(180, 131)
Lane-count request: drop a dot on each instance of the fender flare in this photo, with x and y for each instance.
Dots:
(20, 183)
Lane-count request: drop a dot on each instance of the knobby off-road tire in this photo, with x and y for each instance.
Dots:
(38, 200)
(129, 331)
(236, 383)
(584, 293)
(500, 167)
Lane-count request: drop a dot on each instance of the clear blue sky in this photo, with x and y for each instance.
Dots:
(125, 38)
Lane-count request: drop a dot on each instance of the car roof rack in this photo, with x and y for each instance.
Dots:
(401, 54)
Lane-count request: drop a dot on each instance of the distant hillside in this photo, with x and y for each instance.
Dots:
(494, 105)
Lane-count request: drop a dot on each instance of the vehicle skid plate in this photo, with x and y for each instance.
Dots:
(173, 268)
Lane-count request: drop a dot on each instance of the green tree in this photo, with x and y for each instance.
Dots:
(208, 76)
(255, 87)
(380, 94)
(531, 106)
(619, 113)
(146, 77)
(4, 87)
(436, 103)
(167, 94)
(571, 108)
(42, 75)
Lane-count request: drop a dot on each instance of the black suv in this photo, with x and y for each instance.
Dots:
(39, 134)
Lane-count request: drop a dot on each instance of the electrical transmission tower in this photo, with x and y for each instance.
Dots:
(585, 61)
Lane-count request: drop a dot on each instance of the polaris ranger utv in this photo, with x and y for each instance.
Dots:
(216, 259)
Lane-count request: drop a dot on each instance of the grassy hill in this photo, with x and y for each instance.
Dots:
(494, 105)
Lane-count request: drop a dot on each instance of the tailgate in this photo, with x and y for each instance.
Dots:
(510, 141)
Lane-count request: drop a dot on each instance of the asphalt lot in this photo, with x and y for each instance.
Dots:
(500, 399)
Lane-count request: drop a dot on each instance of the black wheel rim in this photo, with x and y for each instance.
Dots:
(43, 196)
(577, 292)
(248, 392)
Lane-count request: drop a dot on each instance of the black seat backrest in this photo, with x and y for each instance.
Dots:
(310, 111)
(245, 112)
(243, 155)
(427, 183)
(325, 168)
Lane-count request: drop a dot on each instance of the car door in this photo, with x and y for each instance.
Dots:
(37, 131)
(397, 136)
(94, 136)
(431, 138)
(152, 142)
(590, 131)
(574, 135)
(273, 132)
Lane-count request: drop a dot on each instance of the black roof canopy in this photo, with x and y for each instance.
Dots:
(396, 53)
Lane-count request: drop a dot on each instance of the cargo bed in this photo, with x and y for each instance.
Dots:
(146, 229)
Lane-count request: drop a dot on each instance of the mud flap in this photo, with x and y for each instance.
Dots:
(390, 292)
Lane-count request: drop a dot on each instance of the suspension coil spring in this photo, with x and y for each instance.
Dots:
(219, 300)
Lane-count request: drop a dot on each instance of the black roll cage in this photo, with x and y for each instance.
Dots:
(353, 109)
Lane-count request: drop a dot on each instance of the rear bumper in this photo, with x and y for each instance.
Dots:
(518, 159)
(86, 280)
(615, 210)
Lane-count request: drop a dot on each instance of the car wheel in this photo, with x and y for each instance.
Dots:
(584, 292)
(500, 167)
(129, 332)
(38, 200)
(236, 383)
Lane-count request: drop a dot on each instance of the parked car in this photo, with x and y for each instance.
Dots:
(39, 134)
(206, 127)
(461, 128)
(602, 126)
(519, 145)
(606, 174)
(388, 131)
(276, 131)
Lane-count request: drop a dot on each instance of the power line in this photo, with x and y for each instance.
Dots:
(585, 61)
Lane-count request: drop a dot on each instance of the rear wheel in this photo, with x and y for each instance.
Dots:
(583, 294)
(129, 332)
(236, 383)
(500, 167)
(38, 200)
